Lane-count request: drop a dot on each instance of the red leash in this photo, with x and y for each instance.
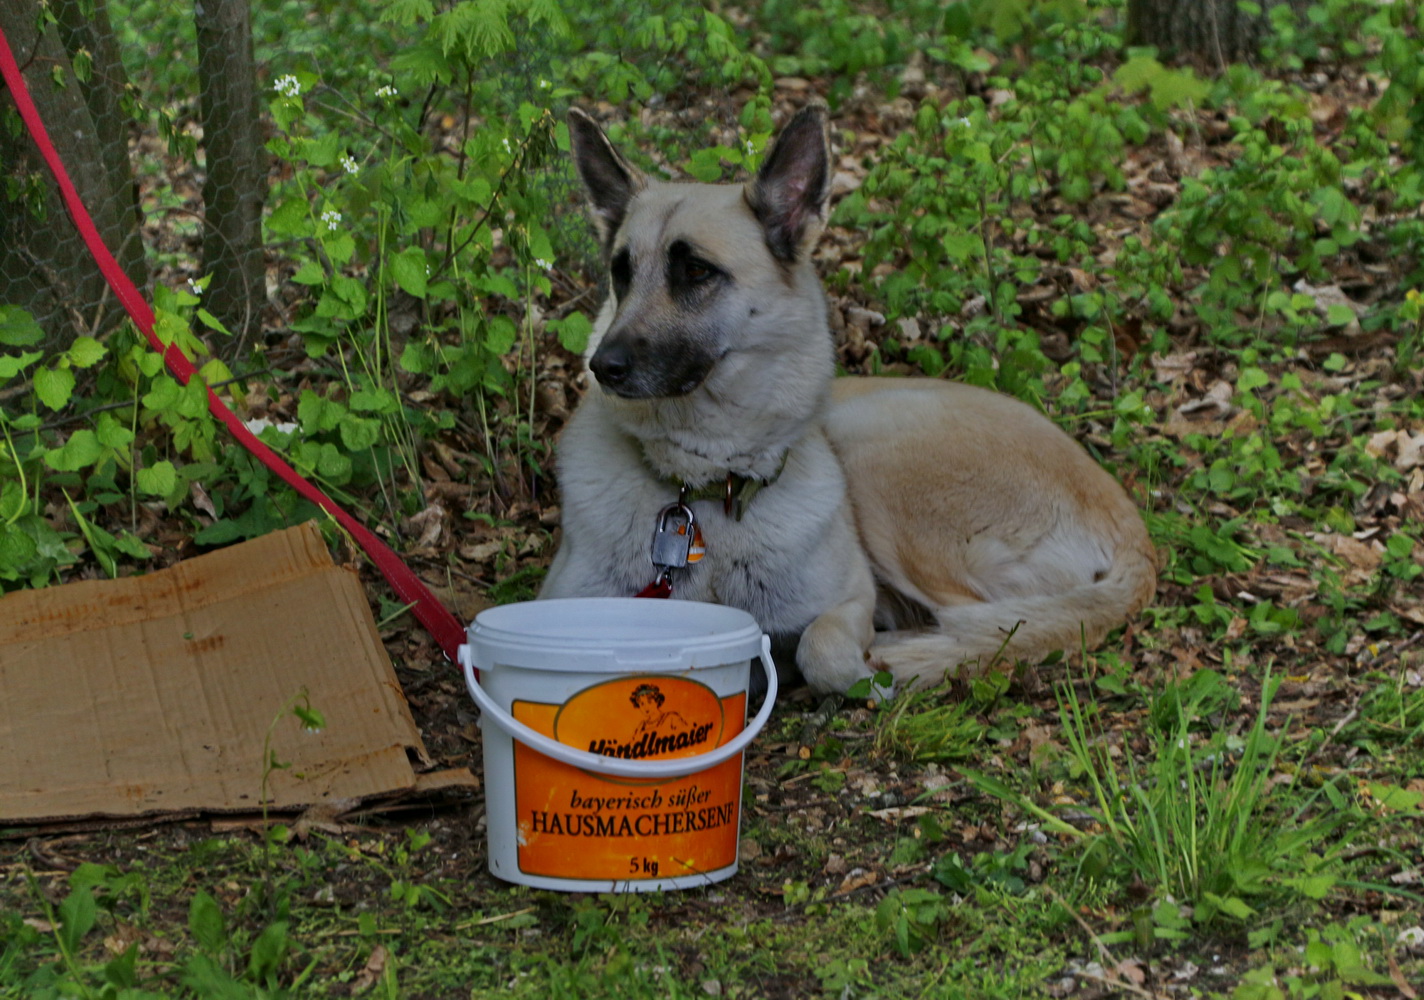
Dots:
(408, 587)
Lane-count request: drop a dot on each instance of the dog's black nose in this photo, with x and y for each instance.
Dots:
(612, 363)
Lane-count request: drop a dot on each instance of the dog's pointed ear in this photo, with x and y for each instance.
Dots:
(792, 190)
(609, 180)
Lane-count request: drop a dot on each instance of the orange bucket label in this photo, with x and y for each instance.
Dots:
(576, 824)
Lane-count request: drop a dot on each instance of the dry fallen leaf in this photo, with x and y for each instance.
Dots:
(1402, 984)
(857, 879)
(371, 974)
(897, 813)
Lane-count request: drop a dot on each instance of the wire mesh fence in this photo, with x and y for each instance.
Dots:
(349, 216)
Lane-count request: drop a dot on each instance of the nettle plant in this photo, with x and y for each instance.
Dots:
(101, 424)
(957, 231)
(414, 275)
(932, 252)
(424, 218)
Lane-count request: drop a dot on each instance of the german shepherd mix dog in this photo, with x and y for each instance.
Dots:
(720, 459)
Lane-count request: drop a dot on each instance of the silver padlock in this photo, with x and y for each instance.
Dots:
(671, 546)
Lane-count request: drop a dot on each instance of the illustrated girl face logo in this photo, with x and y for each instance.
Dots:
(648, 699)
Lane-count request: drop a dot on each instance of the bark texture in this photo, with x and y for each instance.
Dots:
(44, 267)
(1212, 32)
(236, 165)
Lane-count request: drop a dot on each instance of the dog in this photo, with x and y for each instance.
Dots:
(914, 525)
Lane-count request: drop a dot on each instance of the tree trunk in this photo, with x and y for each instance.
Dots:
(236, 165)
(103, 93)
(44, 267)
(1212, 32)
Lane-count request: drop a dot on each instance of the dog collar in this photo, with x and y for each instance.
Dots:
(736, 491)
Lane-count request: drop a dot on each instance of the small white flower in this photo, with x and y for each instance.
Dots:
(260, 424)
(287, 86)
(386, 91)
(543, 265)
(750, 148)
(194, 287)
(507, 147)
(331, 217)
(544, 84)
(964, 122)
(348, 164)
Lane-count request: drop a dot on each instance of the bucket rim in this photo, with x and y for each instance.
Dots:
(606, 634)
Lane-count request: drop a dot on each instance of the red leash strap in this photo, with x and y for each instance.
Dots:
(408, 587)
(661, 587)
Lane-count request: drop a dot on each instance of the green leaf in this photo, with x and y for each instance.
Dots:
(359, 433)
(122, 971)
(406, 12)
(310, 718)
(207, 978)
(79, 452)
(1176, 88)
(310, 408)
(205, 921)
(350, 291)
(85, 351)
(131, 545)
(309, 273)
(500, 334)
(1339, 314)
(291, 218)
(267, 953)
(409, 270)
(158, 479)
(54, 386)
(211, 322)
(706, 165)
(963, 246)
(1313, 886)
(1138, 73)
(222, 532)
(11, 365)
(18, 328)
(340, 247)
(1396, 799)
(17, 552)
(1232, 906)
(1251, 378)
(379, 400)
(76, 918)
(417, 358)
(573, 331)
(111, 433)
(332, 464)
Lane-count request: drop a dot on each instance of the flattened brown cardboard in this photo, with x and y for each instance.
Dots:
(155, 695)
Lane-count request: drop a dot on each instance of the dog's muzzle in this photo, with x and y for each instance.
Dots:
(627, 367)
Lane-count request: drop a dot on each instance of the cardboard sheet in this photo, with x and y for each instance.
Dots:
(154, 695)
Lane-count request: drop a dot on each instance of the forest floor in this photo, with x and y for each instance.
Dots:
(901, 850)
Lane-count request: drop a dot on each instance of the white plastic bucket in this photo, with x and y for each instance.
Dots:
(613, 738)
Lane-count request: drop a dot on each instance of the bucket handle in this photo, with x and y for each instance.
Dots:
(617, 767)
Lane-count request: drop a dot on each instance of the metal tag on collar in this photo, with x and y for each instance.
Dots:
(673, 537)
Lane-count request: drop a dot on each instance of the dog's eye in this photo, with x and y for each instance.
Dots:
(697, 272)
(686, 271)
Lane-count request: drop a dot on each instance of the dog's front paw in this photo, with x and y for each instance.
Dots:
(831, 655)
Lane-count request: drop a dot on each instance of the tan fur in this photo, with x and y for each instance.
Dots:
(963, 523)
(979, 508)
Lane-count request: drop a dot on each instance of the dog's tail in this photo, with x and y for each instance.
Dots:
(973, 638)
